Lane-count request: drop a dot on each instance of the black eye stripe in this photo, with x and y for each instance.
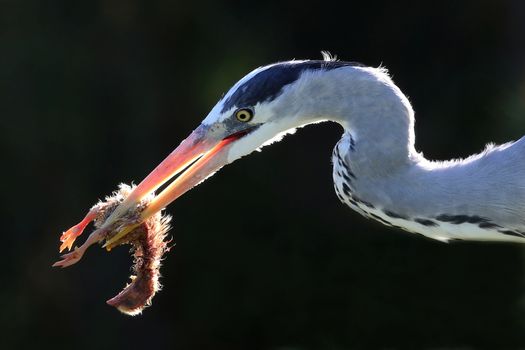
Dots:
(266, 85)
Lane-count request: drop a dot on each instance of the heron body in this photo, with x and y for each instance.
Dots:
(378, 173)
(403, 202)
(376, 169)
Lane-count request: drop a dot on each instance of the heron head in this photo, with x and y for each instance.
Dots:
(264, 105)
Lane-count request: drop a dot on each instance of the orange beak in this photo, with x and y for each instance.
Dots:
(197, 157)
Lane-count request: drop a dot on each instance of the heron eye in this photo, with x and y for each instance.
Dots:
(244, 115)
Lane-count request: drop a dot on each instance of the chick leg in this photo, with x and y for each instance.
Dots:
(74, 256)
(68, 237)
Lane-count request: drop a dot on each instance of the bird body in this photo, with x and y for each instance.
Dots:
(376, 169)
(456, 200)
(378, 172)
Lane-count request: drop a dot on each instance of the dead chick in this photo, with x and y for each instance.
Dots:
(148, 239)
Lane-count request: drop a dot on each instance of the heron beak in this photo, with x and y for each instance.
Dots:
(196, 158)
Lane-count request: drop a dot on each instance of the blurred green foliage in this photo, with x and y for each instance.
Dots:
(93, 93)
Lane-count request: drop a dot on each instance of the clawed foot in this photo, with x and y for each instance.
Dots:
(73, 257)
(68, 237)
(70, 258)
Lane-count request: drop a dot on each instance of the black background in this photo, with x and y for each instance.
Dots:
(93, 93)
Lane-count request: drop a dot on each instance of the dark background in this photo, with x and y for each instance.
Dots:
(93, 93)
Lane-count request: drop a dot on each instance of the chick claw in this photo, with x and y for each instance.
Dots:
(68, 237)
(74, 256)
(70, 258)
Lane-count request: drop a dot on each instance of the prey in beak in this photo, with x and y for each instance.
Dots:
(132, 215)
(197, 157)
(148, 245)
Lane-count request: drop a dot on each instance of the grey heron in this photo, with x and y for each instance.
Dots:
(376, 168)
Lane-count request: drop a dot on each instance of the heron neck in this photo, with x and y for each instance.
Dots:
(382, 143)
(390, 174)
(380, 119)
(387, 172)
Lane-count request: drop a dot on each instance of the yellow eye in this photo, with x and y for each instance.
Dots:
(244, 115)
